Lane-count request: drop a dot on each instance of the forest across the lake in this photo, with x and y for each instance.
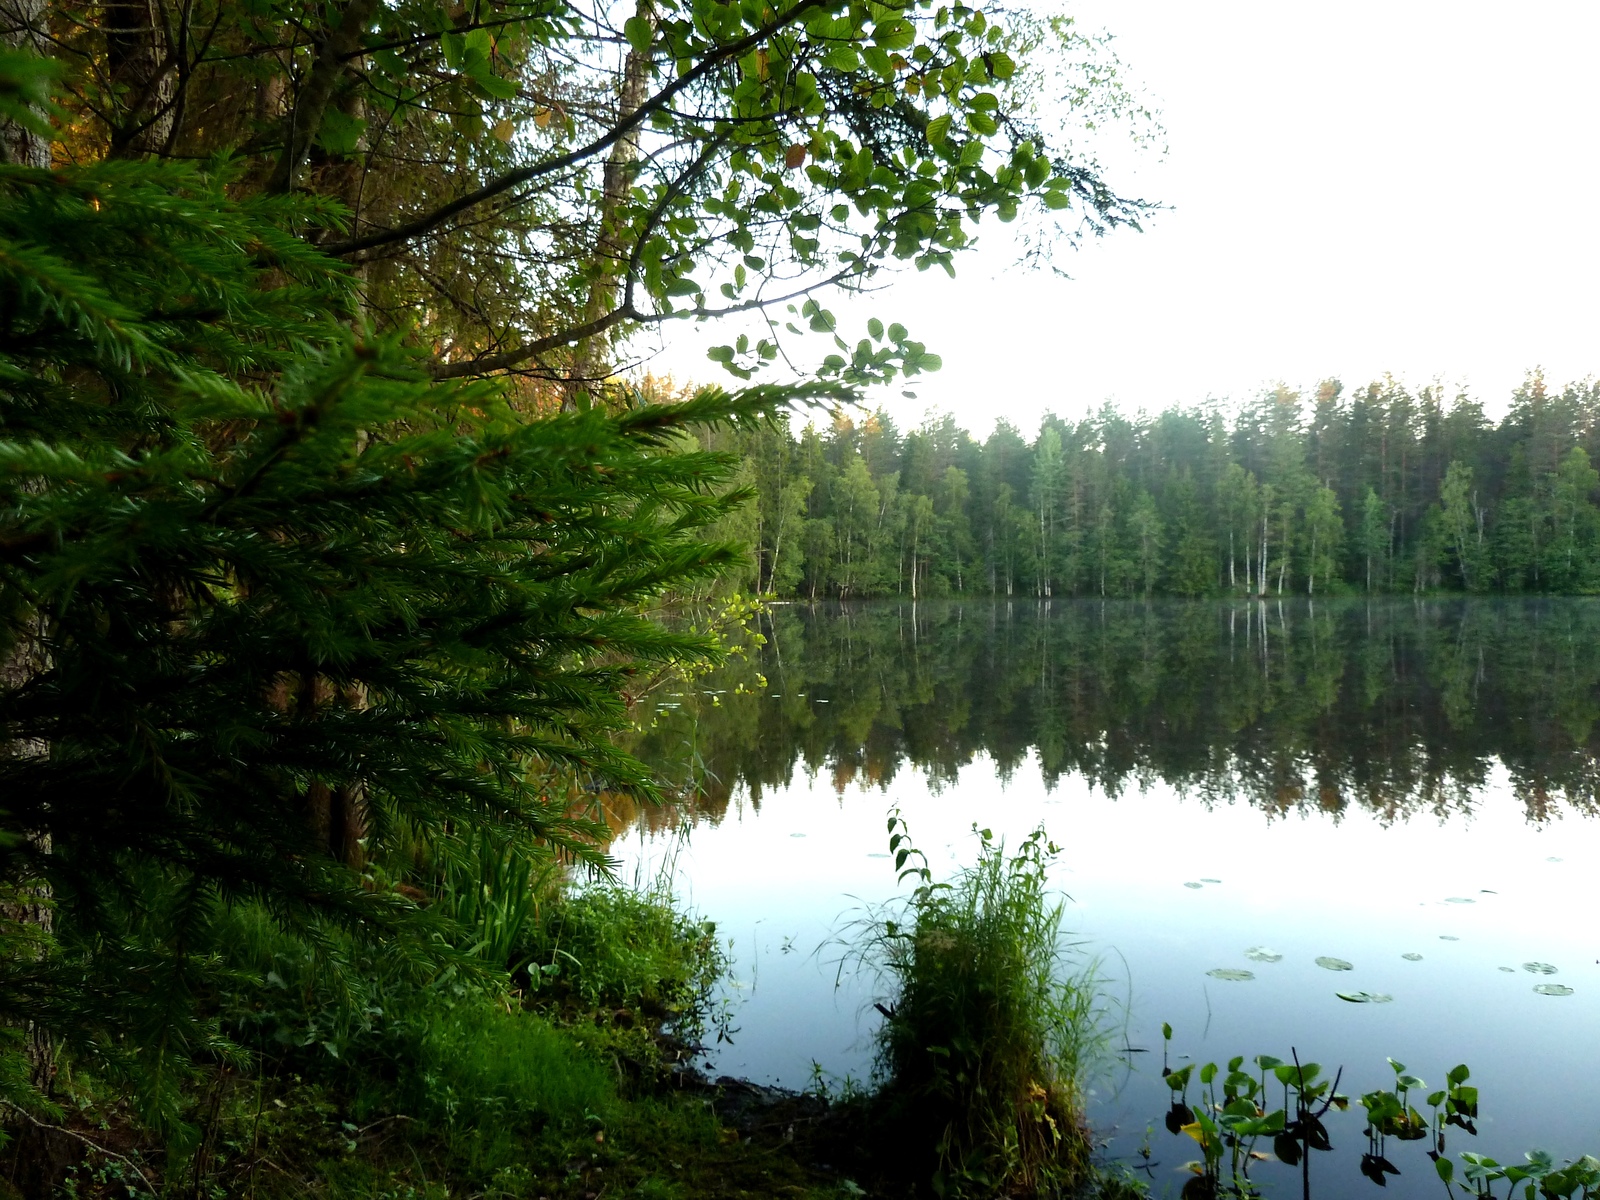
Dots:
(1372, 489)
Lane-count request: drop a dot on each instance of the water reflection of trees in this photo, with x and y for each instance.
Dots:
(1395, 707)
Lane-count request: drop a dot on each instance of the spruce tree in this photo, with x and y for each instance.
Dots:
(275, 599)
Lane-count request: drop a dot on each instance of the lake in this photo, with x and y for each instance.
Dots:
(1406, 789)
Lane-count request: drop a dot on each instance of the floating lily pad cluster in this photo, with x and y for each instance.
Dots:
(1261, 954)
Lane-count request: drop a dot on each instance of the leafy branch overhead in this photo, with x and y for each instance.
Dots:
(533, 180)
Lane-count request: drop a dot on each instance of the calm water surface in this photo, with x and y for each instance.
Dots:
(1348, 780)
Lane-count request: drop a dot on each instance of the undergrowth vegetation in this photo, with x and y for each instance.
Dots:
(538, 1062)
(550, 1056)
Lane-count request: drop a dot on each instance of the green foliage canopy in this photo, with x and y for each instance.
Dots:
(319, 533)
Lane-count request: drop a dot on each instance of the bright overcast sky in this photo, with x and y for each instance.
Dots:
(1401, 186)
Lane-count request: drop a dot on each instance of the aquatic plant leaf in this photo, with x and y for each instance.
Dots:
(1232, 974)
(1334, 964)
(1316, 1133)
(1552, 989)
(1263, 955)
(1539, 968)
(1412, 956)
(1365, 997)
(1375, 1167)
(1287, 1148)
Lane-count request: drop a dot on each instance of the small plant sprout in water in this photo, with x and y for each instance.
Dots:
(1233, 1113)
(1237, 1109)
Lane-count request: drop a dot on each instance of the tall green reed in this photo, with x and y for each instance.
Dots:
(992, 1023)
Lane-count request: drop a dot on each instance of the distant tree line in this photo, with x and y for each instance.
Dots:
(1374, 490)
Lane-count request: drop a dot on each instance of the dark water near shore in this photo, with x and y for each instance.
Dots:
(1345, 780)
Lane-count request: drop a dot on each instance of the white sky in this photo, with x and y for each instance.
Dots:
(1402, 186)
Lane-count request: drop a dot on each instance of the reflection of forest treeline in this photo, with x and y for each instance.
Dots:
(1397, 707)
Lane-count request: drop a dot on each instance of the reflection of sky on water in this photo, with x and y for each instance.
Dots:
(1303, 886)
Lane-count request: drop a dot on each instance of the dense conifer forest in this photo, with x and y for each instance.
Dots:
(1373, 489)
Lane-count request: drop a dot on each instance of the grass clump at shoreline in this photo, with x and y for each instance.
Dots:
(992, 1023)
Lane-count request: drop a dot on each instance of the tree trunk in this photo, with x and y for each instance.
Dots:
(139, 61)
(592, 358)
(25, 899)
(22, 25)
(336, 52)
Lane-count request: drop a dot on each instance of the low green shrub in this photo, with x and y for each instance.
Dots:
(991, 1023)
(616, 947)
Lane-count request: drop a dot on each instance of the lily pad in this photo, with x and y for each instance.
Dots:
(1459, 900)
(1539, 968)
(1553, 989)
(1334, 964)
(1193, 885)
(1412, 956)
(1262, 954)
(1365, 997)
(1231, 974)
